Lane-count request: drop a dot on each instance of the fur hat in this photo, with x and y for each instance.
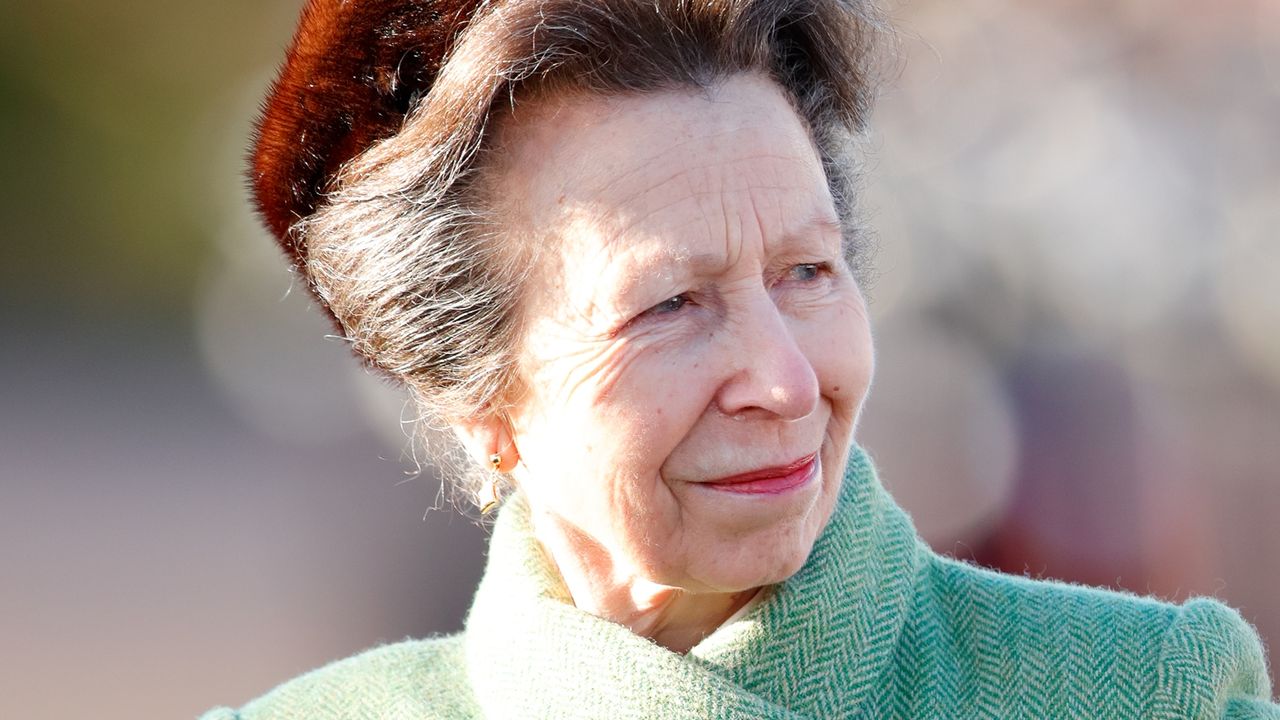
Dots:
(349, 78)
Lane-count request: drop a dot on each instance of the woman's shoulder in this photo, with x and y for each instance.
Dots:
(1069, 643)
(415, 678)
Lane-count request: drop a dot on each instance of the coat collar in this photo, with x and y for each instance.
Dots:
(817, 645)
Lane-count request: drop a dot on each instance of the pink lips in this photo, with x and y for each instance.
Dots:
(769, 481)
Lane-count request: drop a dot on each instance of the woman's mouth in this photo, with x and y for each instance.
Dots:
(769, 481)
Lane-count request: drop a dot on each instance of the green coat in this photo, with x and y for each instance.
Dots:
(875, 625)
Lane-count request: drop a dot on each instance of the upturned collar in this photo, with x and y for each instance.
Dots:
(816, 646)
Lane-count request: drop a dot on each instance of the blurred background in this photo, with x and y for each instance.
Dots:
(201, 495)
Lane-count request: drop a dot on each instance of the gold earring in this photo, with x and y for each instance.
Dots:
(495, 461)
(493, 499)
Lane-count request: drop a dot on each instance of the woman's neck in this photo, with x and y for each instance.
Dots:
(674, 618)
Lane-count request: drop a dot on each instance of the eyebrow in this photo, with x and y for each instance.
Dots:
(696, 264)
(821, 221)
(709, 263)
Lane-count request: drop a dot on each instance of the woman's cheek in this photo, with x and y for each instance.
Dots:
(837, 344)
(849, 364)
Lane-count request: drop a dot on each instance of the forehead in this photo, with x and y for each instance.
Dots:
(617, 157)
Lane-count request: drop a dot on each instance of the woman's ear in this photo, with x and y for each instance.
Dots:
(488, 439)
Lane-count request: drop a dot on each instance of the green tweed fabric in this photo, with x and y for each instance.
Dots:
(875, 625)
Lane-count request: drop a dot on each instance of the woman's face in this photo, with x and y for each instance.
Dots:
(690, 320)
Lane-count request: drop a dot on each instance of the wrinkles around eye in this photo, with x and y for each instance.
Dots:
(671, 306)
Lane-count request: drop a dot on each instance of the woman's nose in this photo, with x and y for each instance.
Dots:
(770, 373)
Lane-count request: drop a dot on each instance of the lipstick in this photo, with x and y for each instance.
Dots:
(769, 481)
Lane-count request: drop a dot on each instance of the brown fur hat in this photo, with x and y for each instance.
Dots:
(350, 76)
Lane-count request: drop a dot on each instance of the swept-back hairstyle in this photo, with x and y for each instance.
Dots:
(370, 159)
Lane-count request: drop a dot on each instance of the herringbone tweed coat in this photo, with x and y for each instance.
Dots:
(875, 625)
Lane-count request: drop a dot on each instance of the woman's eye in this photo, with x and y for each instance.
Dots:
(805, 272)
(669, 305)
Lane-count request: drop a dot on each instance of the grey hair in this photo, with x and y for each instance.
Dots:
(408, 249)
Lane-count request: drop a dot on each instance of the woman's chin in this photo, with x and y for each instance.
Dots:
(760, 539)
(741, 573)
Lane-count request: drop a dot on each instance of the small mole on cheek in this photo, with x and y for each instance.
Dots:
(560, 200)
(835, 389)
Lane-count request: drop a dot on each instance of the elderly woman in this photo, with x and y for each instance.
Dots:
(612, 245)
